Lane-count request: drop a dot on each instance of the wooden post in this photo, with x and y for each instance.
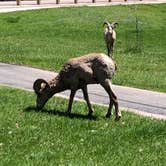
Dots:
(125, 0)
(109, 0)
(75, 1)
(57, 1)
(18, 2)
(38, 2)
(93, 1)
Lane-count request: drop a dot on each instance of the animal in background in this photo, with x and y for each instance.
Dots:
(110, 36)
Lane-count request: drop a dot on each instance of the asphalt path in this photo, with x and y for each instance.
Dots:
(147, 103)
(144, 102)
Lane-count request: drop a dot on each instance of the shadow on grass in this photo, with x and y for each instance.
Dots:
(60, 113)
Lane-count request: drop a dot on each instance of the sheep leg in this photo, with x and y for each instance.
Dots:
(72, 94)
(86, 97)
(113, 99)
(109, 113)
(108, 50)
(111, 51)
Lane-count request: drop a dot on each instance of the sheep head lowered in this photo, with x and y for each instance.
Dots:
(110, 36)
(77, 73)
(42, 89)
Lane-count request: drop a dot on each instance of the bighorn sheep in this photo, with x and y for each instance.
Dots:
(77, 73)
(110, 36)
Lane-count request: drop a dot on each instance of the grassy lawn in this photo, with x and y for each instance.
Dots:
(28, 137)
(46, 38)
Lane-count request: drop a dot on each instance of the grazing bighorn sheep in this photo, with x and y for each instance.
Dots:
(76, 74)
(110, 36)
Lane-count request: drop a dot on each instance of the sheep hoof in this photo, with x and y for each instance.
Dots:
(68, 113)
(118, 118)
(90, 114)
(108, 116)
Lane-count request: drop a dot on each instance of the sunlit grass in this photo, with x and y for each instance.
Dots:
(50, 137)
(46, 38)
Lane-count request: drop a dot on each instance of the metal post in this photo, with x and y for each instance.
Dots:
(18, 2)
(38, 2)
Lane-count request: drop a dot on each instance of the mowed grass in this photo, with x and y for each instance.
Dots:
(50, 137)
(47, 38)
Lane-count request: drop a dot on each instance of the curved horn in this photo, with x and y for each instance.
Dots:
(114, 24)
(106, 23)
(39, 84)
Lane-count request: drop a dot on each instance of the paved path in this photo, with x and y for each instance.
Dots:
(10, 6)
(139, 101)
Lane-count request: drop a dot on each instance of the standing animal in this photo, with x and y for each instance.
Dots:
(110, 36)
(77, 73)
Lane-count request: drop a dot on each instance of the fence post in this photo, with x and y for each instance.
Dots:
(38, 2)
(93, 1)
(57, 1)
(18, 2)
(75, 1)
(109, 0)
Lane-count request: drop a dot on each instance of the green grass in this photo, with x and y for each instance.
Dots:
(46, 38)
(46, 138)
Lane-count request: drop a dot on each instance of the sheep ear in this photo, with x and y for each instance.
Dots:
(114, 25)
(39, 85)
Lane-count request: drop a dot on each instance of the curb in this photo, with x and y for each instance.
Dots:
(137, 112)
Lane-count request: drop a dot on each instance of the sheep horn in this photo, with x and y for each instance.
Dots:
(39, 84)
(106, 23)
(114, 25)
